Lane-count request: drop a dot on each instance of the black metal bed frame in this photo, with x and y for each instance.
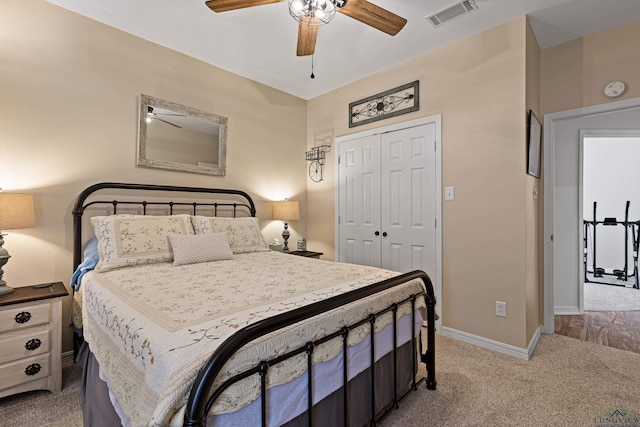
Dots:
(201, 397)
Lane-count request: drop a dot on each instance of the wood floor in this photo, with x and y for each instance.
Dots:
(619, 329)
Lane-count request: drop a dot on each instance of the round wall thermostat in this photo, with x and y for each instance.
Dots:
(614, 89)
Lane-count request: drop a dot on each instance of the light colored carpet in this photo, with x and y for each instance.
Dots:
(568, 382)
(599, 297)
(43, 408)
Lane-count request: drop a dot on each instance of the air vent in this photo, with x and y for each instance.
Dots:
(450, 12)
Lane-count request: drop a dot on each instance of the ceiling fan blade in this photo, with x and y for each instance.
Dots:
(374, 16)
(307, 34)
(226, 5)
(169, 123)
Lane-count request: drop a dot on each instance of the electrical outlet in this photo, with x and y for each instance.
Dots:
(501, 309)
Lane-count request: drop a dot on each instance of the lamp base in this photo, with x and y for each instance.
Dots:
(285, 237)
(4, 258)
(4, 290)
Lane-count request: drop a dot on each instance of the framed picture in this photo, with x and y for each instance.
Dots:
(393, 102)
(534, 145)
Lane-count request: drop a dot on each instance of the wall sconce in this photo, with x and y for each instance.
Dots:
(316, 156)
(16, 211)
(286, 210)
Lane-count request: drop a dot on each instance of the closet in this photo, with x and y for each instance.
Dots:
(387, 202)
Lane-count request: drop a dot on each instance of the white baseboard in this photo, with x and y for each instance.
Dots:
(67, 356)
(500, 347)
(562, 310)
(534, 341)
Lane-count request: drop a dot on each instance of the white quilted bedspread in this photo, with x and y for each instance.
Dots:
(152, 327)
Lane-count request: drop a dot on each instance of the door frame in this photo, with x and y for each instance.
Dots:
(550, 122)
(436, 276)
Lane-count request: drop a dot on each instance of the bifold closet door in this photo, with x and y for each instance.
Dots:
(386, 196)
(408, 192)
(359, 199)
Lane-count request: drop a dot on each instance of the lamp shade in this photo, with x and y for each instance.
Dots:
(16, 211)
(286, 210)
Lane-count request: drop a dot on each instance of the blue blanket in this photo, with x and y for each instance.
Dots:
(89, 263)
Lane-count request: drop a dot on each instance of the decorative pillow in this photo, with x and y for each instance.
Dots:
(125, 240)
(199, 248)
(243, 233)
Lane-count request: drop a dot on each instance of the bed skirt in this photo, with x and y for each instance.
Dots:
(98, 410)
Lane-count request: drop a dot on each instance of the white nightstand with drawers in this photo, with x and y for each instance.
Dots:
(31, 339)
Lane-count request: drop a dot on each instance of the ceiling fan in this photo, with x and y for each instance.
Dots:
(152, 114)
(312, 13)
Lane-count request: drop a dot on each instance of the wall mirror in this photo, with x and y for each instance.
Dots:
(177, 137)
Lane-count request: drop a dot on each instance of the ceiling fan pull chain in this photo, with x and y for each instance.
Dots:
(312, 75)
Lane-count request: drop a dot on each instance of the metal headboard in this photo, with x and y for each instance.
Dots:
(79, 207)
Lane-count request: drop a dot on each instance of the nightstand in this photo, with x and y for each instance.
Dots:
(307, 254)
(31, 339)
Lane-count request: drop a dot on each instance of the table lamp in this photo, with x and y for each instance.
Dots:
(16, 211)
(286, 210)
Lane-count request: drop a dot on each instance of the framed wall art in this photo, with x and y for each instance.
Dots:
(393, 102)
(534, 141)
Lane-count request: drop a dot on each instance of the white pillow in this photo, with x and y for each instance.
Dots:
(125, 240)
(243, 233)
(199, 248)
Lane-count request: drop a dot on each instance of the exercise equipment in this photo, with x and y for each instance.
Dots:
(630, 228)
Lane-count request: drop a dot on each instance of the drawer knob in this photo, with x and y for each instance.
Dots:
(32, 344)
(32, 369)
(23, 317)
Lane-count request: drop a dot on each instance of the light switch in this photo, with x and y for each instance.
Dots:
(448, 193)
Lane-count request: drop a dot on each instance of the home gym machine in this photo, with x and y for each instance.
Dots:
(630, 227)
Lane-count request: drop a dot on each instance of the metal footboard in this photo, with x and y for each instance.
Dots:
(202, 398)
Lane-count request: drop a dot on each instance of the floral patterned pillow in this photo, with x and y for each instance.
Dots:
(243, 233)
(126, 240)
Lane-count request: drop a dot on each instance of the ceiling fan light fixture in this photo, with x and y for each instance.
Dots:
(296, 5)
(306, 10)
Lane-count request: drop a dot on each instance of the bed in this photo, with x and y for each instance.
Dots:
(185, 317)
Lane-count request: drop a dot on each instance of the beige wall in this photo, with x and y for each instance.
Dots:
(483, 87)
(69, 106)
(478, 85)
(70, 90)
(533, 198)
(574, 74)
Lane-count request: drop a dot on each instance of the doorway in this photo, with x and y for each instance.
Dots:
(563, 230)
(611, 208)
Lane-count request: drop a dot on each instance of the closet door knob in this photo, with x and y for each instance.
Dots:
(377, 233)
(384, 234)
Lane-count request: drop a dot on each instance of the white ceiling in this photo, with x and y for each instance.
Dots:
(260, 42)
